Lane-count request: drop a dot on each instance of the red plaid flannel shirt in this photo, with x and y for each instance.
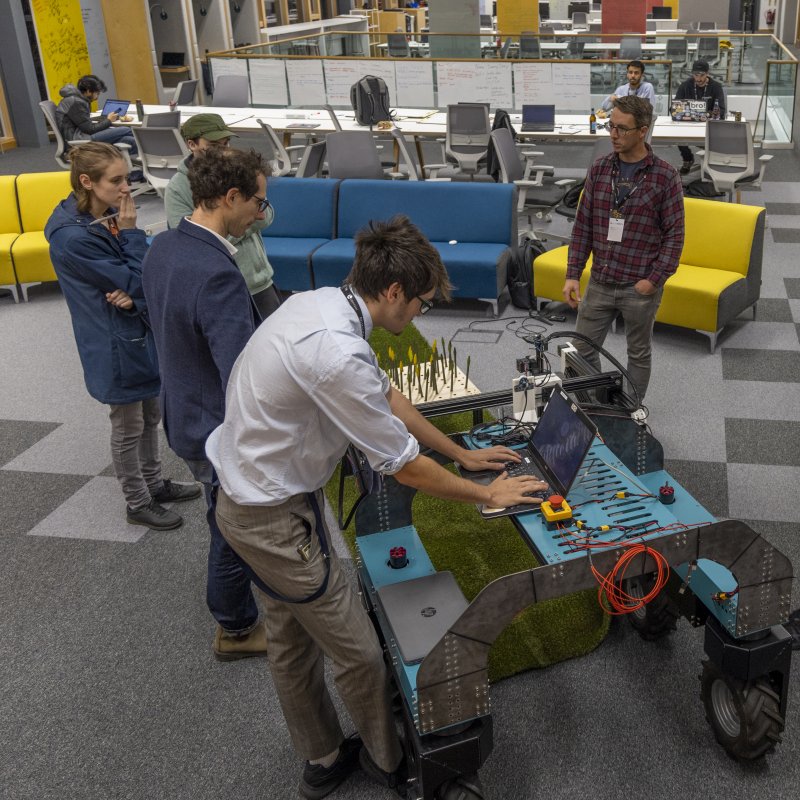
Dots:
(654, 224)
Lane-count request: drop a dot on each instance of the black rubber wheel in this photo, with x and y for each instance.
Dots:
(466, 787)
(659, 617)
(744, 715)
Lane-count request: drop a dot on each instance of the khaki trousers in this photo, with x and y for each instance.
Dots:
(300, 635)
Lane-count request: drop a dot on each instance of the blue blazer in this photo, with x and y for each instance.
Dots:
(202, 317)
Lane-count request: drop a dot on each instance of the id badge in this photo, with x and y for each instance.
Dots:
(616, 226)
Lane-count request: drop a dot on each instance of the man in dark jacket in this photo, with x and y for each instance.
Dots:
(202, 317)
(73, 115)
(699, 87)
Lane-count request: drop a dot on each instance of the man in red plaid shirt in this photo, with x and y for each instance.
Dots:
(631, 220)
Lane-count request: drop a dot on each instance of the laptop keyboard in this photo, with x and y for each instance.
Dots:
(527, 467)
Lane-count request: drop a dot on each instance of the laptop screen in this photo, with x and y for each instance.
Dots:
(539, 115)
(561, 437)
(118, 106)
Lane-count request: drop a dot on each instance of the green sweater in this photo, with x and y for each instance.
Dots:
(251, 257)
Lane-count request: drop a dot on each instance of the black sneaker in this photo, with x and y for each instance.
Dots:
(155, 517)
(396, 780)
(177, 492)
(687, 167)
(319, 781)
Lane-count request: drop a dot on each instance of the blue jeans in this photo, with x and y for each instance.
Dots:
(228, 594)
(117, 134)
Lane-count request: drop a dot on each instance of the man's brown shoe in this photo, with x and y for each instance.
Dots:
(230, 647)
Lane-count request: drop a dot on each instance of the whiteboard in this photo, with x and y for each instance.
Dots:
(340, 75)
(533, 85)
(94, 27)
(474, 82)
(268, 82)
(306, 82)
(573, 81)
(414, 79)
(228, 66)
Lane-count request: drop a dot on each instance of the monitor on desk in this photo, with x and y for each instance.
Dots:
(583, 7)
(486, 20)
(662, 12)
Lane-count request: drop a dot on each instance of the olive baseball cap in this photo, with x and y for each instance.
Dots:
(209, 126)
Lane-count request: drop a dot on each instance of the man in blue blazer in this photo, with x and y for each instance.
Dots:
(202, 316)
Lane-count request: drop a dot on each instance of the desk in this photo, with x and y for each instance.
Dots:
(427, 123)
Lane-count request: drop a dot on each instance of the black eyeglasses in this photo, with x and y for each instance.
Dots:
(621, 130)
(263, 203)
(424, 305)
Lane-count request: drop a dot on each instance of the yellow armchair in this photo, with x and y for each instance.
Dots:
(38, 193)
(9, 231)
(718, 277)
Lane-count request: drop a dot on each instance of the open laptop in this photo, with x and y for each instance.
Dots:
(421, 611)
(170, 59)
(118, 106)
(538, 118)
(554, 453)
(688, 110)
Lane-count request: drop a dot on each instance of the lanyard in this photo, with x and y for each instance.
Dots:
(347, 291)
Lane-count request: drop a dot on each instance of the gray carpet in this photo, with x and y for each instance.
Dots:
(109, 686)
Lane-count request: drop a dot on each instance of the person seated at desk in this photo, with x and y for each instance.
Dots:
(73, 115)
(634, 86)
(699, 87)
(203, 132)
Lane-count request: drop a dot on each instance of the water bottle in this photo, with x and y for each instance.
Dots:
(715, 114)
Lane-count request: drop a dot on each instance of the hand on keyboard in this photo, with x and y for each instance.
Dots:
(511, 491)
(495, 458)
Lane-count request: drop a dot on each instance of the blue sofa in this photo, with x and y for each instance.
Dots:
(305, 219)
(316, 221)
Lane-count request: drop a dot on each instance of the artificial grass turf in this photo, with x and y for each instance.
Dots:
(477, 551)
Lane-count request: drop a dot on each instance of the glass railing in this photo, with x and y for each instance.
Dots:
(758, 73)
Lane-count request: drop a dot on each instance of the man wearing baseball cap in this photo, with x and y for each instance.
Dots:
(699, 87)
(201, 132)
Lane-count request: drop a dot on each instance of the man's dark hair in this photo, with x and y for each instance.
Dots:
(638, 107)
(637, 64)
(91, 83)
(213, 175)
(396, 251)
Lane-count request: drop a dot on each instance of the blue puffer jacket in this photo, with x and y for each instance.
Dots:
(116, 347)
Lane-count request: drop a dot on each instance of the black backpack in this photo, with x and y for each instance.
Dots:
(701, 188)
(370, 99)
(519, 276)
(573, 195)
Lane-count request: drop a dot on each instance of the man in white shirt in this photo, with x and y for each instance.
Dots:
(635, 86)
(306, 385)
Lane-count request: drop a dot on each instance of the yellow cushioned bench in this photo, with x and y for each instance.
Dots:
(38, 193)
(9, 231)
(718, 277)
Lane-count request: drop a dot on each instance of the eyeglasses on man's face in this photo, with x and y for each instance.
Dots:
(263, 203)
(621, 130)
(424, 305)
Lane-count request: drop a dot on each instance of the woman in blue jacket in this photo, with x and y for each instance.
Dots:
(97, 252)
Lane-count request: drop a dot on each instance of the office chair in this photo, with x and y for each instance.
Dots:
(334, 119)
(49, 110)
(310, 165)
(580, 20)
(527, 177)
(630, 48)
(184, 93)
(353, 154)
(162, 119)
(529, 46)
(160, 150)
(708, 50)
(398, 45)
(505, 48)
(677, 52)
(231, 91)
(467, 136)
(729, 158)
(279, 155)
(575, 47)
(595, 27)
(409, 156)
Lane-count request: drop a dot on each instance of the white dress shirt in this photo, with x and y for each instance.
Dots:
(305, 386)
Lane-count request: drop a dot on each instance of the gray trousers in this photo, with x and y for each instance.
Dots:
(134, 450)
(300, 635)
(600, 305)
